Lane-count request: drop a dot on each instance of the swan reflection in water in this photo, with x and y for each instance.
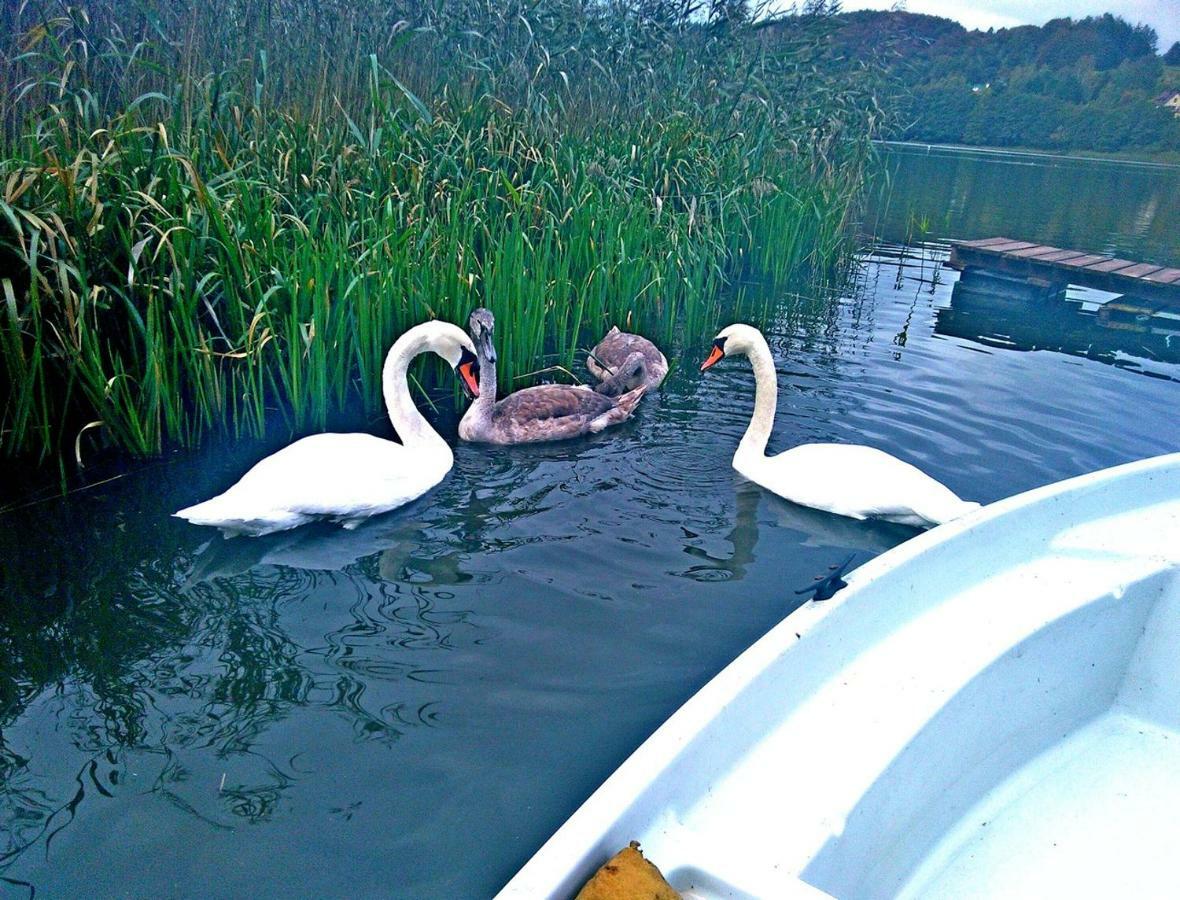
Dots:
(186, 673)
(426, 541)
(813, 529)
(400, 543)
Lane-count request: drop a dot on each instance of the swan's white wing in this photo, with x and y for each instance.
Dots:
(343, 476)
(861, 482)
(328, 474)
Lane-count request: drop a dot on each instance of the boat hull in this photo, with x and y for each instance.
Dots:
(990, 709)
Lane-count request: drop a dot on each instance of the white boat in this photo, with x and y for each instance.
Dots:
(991, 709)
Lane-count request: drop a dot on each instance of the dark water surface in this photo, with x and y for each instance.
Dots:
(410, 709)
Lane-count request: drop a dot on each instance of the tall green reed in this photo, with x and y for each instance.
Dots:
(213, 220)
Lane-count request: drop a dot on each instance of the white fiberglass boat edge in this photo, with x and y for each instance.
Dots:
(990, 709)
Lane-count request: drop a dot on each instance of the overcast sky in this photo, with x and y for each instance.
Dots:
(1162, 15)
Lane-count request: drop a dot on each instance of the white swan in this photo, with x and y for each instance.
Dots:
(349, 477)
(846, 479)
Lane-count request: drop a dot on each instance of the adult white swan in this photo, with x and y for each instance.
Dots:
(846, 479)
(349, 477)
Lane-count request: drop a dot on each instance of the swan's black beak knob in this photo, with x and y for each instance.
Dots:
(715, 354)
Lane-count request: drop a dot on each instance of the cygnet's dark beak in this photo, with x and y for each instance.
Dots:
(486, 348)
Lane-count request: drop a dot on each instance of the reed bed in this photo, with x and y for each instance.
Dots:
(213, 218)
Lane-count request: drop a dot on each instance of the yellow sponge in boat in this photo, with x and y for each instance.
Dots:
(627, 876)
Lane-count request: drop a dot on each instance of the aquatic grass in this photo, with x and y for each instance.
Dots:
(198, 234)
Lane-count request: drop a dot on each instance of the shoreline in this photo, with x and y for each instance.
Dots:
(1031, 153)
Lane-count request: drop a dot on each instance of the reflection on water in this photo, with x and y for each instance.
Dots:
(1104, 207)
(171, 687)
(410, 708)
(1001, 313)
(154, 688)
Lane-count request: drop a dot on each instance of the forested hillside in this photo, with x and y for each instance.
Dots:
(1091, 84)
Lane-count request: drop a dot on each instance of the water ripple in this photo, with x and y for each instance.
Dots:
(541, 610)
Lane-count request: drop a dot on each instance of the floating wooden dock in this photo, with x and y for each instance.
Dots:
(1053, 267)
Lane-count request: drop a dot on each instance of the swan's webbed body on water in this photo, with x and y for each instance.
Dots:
(349, 477)
(845, 479)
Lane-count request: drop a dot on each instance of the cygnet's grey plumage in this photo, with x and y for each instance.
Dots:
(627, 377)
(615, 349)
(547, 412)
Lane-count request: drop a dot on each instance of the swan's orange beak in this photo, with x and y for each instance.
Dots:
(714, 356)
(468, 370)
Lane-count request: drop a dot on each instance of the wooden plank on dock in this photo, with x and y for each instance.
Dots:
(1045, 265)
(1164, 276)
(1083, 261)
(1068, 256)
(987, 242)
(1140, 270)
(1111, 265)
(1035, 252)
(1011, 245)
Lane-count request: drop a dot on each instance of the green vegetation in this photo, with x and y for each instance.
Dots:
(1091, 84)
(214, 216)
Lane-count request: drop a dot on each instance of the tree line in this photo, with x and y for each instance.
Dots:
(1089, 84)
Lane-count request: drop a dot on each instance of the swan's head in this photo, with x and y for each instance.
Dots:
(449, 342)
(632, 372)
(736, 339)
(629, 375)
(482, 324)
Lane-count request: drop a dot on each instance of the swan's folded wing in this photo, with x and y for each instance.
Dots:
(551, 401)
(341, 475)
(614, 349)
(860, 482)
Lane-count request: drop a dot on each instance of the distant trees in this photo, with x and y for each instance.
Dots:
(1087, 84)
(1107, 41)
(939, 111)
(1014, 118)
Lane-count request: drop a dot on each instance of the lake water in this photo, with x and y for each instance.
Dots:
(410, 709)
(1126, 210)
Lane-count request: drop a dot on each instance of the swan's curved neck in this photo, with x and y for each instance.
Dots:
(412, 427)
(487, 378)
(480, 411)
(765, 399)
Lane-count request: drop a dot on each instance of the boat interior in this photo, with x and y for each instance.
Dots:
(990, 711)
(1010, 740)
